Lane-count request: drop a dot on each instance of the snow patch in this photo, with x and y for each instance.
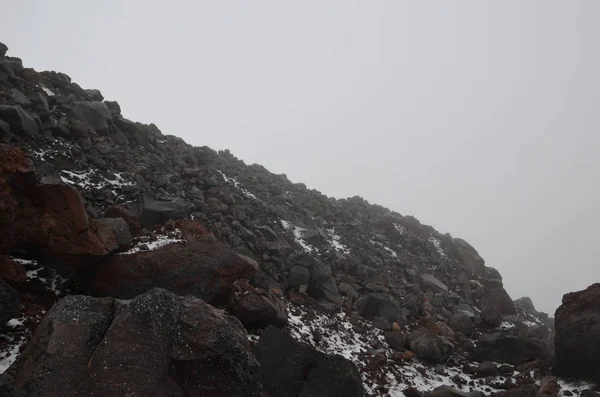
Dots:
(8, 357)
(387, 249)
(144, 244)
(297, 231)
(51, 279)
(48, 91)
(438, 246)
(506, 325)
(236, 184)
(334, 241)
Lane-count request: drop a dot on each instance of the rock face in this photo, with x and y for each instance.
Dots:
(289, 369)
(156, 345)
(495, 303)
(577, 326)
(201, 266)
(19, 120)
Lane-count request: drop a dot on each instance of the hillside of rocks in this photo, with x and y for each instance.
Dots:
(132, 263)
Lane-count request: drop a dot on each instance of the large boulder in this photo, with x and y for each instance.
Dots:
(158, 344)
(379, 305)
(47, 216)
(577, 327)
(201, 266)
(495, 303)
(95, 114)
(290, 368)
(3, 49)
(461, 322)
(511, 349)
(19, 120)
(469, 258)
(155, 212)
(429, 346)
(10, 305)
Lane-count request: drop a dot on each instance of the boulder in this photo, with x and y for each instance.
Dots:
(525, 303)
(158, 344)
(429, 346)
(515, 350)
(549, 386)
(202, 266)
(19, 120)
(10, 305)
(495, 304)
(375, 305)
(469, 258)
(258, 311)
(154, 212)
(19, 97)
(113, 232)
(47, 216)
(577, 327)
(396, 340)
(129, 216)
(299, 278)
(3, 49)
(461, 322)
(434, 283)
(12, 272)
(95, 114)
(290, 368)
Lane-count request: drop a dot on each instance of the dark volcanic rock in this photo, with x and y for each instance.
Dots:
(379, 305)
(448, 391)
(523, 391)
(429, 346)
(289, 369)
(156, 345)
(154, 212)
(19, 120)
(495, 304)
(202, 266)
(257, 311)
(94, 114)
(514, 350)
(3, 49)
(577, 326)
(10, 305)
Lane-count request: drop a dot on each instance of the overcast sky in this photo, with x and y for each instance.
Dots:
(479, 118)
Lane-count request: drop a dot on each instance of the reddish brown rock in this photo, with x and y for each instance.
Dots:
(200, 266)
(46, 216)
(258, 310)
(119, 211)
(12, 272)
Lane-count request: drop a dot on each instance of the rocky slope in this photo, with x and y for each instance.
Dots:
(109, 214)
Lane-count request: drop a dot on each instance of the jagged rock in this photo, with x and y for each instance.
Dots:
(3, 49)
(202, 266)
(433, 282)
(514, 350)
(396, 340)
(19, 120)
(525, 303)
(129, 216)
(259, 311)
(268, 233)
(289, 369)
(495, 303)
(379, 305)
(299, 277)
(19, 97)
(577, 326)
(10, 304)
(159, 344)
(114, 107)
(95, 114)
(429, 346)
(154, 212)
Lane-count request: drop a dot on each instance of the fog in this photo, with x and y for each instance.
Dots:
(479, 118)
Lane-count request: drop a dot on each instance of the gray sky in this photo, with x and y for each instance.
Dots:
(479, 118)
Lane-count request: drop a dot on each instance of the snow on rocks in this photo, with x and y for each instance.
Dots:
(48, 278)
(438, 246)
(158, 240)
(236, 184)
(387, 249)
(47, 90)
(334, 241)
(54, 149)
(297, 231)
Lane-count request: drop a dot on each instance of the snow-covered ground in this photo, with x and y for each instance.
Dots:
(334, 241)
(93, 179)
(33, 270)
(438, 246)
(336, 334)
(386, 248)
